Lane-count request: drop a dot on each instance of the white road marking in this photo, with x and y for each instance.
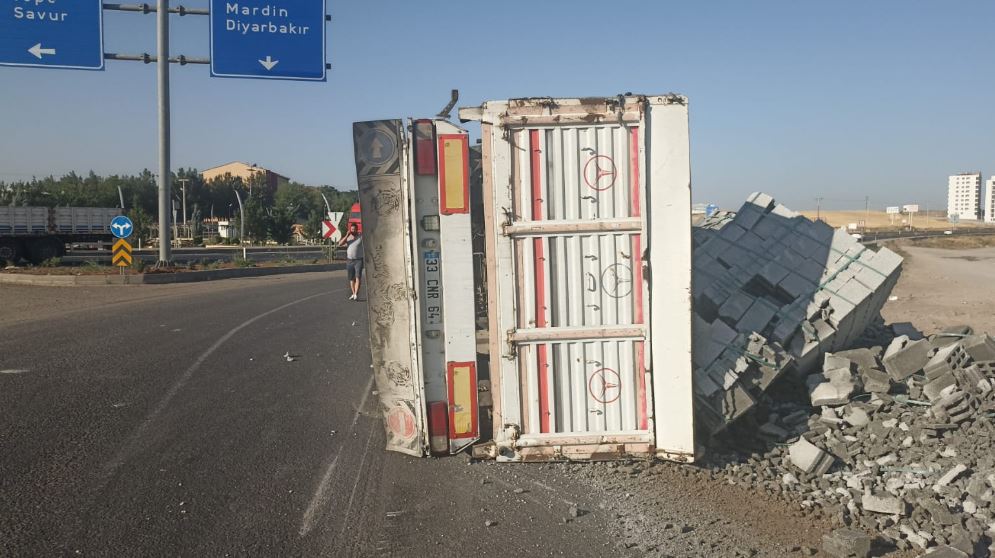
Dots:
(321, 494)
(355, 485)
(13, 371)
(129, 446)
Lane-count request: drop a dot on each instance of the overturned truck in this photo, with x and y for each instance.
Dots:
(577, 232)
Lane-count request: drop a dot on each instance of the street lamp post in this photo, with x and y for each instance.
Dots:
(241, 224)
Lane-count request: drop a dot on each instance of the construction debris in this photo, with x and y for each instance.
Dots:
(773, 292)
(913, 463)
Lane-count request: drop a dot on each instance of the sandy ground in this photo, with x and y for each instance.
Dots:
(945, 287)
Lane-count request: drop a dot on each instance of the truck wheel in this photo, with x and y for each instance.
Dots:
(10, 251)
(44, 249)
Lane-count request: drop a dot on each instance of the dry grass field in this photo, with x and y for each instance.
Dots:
(879, 220)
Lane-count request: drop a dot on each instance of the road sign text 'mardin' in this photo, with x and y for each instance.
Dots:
(272, 26)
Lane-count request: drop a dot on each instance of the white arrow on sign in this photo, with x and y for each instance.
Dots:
(38, 51)
(268, 63)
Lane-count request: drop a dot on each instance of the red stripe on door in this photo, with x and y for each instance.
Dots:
(542, 355)
(637, 283)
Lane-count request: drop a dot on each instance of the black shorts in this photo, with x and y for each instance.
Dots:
(354, 268)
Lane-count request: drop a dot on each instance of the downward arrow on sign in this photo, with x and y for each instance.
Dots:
(269, 62)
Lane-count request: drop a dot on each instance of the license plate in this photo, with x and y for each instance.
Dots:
(433, 288)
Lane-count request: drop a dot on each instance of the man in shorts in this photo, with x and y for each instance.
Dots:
(353, 241)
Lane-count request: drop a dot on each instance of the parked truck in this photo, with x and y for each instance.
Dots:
(42, 233)
(585, 348)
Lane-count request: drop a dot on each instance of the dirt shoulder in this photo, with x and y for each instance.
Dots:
(942, 287)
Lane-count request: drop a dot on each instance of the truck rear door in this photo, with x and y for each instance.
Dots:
(577, 315)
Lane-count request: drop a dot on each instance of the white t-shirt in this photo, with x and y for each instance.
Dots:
(354, 248)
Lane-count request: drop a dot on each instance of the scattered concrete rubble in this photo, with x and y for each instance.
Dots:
(895, 440)
(773, 292)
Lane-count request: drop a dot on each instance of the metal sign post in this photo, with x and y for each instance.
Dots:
(165, 177)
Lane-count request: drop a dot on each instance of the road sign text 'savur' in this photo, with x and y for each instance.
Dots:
(52, 33)
(268, 39)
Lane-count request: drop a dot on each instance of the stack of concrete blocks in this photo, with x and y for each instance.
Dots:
(774, 291)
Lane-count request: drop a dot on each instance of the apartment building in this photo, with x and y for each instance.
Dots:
(964, 196)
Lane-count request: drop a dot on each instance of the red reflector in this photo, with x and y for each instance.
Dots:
(424, 147)
(438, 427)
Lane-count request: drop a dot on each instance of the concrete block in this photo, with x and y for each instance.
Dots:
(767, 228)
(863, 358)
(947, 359)
(783, 212)
(954, 407)
(875, 381)
(772, 273)
(764, 202)
(868, 277)
(933, 389)
(748, 215)
(797, 286)
(857, 417)
(979, 347)
(950, 476)
(831, 394)
(847, 543)
(809, 458)
(710, 340)
(734, 307)
(890, 505)
(904, 358)
(731, 232)
(758, 317)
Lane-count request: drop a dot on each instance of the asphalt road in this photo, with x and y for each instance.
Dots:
(165, 421)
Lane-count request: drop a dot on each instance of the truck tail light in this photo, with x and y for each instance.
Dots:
(462, 381)
(454, 174)
(424, 133)
(438, 418)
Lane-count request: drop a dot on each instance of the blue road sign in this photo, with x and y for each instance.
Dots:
(52, 34)
(121, 227)
(268, 39)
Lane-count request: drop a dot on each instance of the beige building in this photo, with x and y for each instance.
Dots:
(244, 171)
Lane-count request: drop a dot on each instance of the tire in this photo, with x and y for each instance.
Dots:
(10, 251)
(45, 249)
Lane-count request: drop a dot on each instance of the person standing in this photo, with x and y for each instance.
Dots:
(353, 241)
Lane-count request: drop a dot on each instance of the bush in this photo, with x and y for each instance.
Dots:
(52, 262)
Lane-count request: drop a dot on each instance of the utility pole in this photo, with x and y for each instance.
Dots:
(183, 185)
(818, 208)
(162, 66)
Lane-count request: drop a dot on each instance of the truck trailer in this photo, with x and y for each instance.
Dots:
(41, 233)
(584, 351)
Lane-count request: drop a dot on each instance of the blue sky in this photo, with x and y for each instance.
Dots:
(839, 100)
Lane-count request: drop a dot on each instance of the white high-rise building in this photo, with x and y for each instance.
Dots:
(990, 200)
(964, 196)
